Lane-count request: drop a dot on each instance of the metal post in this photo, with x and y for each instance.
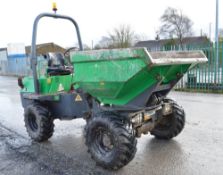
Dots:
(216, 40)
(210, 31)
(92, 45)
(221, 66)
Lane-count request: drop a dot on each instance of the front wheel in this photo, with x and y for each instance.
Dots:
(38, 122)
(109, 141)
(171, 125)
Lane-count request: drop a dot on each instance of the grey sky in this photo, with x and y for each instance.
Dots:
(96, 18)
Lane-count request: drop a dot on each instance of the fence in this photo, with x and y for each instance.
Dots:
(204, 77)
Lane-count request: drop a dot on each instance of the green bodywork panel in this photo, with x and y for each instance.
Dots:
(112, 76)
(49, 84)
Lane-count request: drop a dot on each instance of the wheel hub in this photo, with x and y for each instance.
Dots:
(107, 141)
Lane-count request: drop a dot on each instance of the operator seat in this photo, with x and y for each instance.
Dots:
(56, 64)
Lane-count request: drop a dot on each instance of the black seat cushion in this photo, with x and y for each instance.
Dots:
(53, 71)
(56, 64)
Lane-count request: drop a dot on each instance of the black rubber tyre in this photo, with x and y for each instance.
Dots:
(170, 126)
(38, 122)
(111, 144)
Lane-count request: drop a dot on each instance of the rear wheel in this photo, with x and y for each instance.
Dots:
(171, 125)
(38, 122)
(109, 141)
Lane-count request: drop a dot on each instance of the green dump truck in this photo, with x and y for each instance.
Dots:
(121, 93)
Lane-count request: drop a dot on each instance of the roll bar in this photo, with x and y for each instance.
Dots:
(33, 46)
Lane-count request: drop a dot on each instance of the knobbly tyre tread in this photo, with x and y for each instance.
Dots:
(44, 122)
(122, 154)
(177, 124)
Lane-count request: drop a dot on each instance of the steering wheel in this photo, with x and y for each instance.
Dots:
(67, 51)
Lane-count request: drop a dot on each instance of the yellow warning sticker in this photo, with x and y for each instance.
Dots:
(78, 98)
(60, 88)
(48, 80)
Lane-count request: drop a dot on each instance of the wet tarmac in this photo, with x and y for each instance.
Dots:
(197, 150)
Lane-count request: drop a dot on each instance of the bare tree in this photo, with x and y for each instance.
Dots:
(122, 37)
(175, 24)
(105, 42)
